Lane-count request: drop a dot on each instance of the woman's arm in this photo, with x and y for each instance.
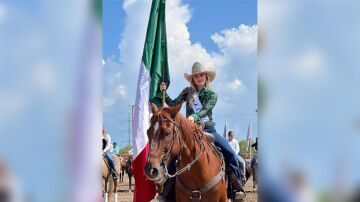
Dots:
(179, 99)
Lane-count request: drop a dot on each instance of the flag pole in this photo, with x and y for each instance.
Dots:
(163, 52)
(164, 91)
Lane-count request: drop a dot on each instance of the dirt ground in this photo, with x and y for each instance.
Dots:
(126, 196)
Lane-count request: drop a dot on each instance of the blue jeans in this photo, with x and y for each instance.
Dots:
(241, 164)
(111, 161)
(226, 150)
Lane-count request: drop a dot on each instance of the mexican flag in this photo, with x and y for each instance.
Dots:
(153, 70)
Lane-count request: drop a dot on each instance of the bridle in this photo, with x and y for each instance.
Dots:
(194, 195)
(166, 157)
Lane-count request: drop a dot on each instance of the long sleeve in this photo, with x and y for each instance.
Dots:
(179, 99)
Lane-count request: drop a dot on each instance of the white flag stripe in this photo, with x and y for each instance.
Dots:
(141, 111)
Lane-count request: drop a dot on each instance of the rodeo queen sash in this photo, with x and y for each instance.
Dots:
(197, 106)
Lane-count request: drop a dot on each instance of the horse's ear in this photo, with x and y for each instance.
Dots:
(174, 110)
(154, 108)
(177, 107)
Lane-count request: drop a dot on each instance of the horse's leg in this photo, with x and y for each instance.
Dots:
(106, 198)
(111, 191)
(115, 190)
(122, 173)
(129, 183)
(119, 176)
(254, 179)
(257, 179)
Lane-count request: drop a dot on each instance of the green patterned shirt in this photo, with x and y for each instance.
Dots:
(207, 98)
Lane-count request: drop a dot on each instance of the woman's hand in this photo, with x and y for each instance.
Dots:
(163, 86)
(191, 118)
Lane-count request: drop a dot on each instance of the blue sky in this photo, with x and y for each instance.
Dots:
(205, 31)
(232, 13)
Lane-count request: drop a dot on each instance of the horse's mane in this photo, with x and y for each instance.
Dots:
(188, 128)
(190, 131)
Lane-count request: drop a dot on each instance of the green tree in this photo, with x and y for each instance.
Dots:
(125, 150)
(243, 146)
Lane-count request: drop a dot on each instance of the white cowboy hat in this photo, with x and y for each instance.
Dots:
(198, 68)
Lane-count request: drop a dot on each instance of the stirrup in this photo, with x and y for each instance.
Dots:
(236, 184)
(114, 175)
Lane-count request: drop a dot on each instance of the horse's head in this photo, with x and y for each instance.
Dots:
(164, 142)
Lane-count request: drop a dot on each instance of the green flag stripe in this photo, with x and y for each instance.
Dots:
(155, 51)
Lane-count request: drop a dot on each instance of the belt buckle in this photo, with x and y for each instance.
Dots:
(195, 195)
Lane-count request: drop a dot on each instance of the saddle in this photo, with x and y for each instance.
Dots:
(210, 137)
(107, 163)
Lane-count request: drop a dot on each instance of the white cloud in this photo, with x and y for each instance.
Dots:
(235, 84)
(121, 90)
(236, 62)
(182, 53)
(103, 62)
(237, 41)
(133, 36)
(237, 51)
(114, 88)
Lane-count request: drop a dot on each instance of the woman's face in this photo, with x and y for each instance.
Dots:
(199, 79)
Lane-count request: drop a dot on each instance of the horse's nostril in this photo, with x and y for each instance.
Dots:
(154, 172)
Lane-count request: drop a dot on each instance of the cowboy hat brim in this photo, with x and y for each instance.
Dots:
(209, 72)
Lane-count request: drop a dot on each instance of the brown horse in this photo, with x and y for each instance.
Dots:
(129, 170)
(110, 185)
(200, 167)
(123, 166)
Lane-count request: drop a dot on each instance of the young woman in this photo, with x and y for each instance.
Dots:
(200, 100)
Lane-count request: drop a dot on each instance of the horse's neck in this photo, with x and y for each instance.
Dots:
(191, 150)
(187, 137)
